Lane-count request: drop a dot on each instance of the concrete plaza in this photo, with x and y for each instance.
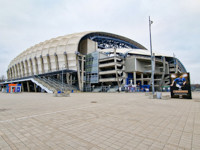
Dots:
(94, 121)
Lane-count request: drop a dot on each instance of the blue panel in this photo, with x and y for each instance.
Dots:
(18, 89)
(130, 75)
(127, 81)
(7, 89)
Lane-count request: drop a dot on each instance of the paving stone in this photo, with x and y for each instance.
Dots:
(124, 121)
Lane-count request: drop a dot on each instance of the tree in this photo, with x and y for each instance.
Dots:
(2, 78)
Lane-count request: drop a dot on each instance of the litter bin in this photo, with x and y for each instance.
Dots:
(159, 95)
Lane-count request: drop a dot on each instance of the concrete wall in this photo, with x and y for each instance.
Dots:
(130, 64)
(87, 46)
(91, 46)
(142, 66)
(134, 64)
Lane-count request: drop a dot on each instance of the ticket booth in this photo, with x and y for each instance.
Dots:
(13, 88)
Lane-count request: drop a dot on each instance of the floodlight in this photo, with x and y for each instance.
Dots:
(185, 75)
(173, 76)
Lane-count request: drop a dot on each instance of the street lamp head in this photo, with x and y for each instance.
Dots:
(77, 53)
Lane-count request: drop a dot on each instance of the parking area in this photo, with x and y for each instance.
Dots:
(94, 121)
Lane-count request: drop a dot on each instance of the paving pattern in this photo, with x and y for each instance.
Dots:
(98, 121)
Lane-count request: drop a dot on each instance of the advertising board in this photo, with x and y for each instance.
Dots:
(180, 85)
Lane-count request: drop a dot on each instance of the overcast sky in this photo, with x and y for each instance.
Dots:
(175, 28)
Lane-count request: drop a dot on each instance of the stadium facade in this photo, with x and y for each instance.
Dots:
(89, 61)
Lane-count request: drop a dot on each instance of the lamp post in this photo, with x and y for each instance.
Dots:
(152, 61)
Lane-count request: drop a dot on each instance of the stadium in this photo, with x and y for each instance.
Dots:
(91, 62)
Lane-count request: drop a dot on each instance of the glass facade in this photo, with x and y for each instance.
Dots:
(92, 68)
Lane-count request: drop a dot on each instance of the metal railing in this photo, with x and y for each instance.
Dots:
(56, 84)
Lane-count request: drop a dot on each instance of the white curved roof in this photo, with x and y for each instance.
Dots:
(59, 45)
(67, 43)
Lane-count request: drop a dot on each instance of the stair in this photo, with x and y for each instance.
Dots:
(54, 84)
(43, 85)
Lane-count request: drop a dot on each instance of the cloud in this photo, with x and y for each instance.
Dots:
(176, 28)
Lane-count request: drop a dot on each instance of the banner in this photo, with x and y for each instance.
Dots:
(180, 85)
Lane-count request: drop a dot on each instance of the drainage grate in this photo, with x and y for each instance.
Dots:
(3, 109)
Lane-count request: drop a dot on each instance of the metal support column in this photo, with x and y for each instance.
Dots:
(35, 87)
(176, 67)
(28, 86)
(67, 78)
(22, 86)
(115, 60)
(78, 72)
(71, 80)
(82, 72)
(142, 78)
(134, 78)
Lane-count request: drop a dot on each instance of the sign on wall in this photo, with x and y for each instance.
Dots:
(180, 85)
